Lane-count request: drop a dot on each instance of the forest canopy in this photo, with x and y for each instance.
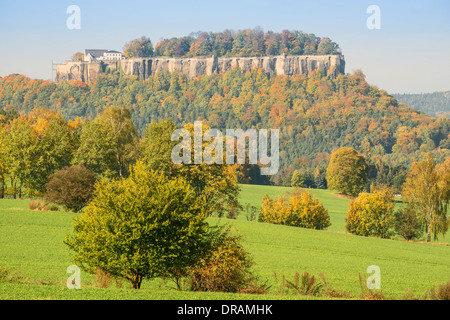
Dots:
(243, 43)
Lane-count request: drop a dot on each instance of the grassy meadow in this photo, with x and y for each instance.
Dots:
(32, 250)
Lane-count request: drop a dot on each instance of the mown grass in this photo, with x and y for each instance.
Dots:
(31, 242)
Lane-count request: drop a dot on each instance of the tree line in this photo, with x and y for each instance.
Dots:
(228, 43)
(436, 104)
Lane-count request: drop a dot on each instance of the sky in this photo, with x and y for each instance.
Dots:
(408, 53)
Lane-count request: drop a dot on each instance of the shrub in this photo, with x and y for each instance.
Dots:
(250, 212)
(13, 276)
(51, 207)
(300, 210)
(306, 284)
(226, 269)
(407, 224)
(71, 187)
(371, 214)
(36, 205)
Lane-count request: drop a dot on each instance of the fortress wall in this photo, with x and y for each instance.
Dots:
(193, 67)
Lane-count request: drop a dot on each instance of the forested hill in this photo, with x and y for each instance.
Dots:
(436, 104)
(315, 114)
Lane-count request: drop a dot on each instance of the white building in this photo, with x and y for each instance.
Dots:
(102, 54)
(112, 55)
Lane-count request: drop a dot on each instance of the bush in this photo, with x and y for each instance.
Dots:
(300, 210)
(226, 269)
(36, 205)
(306, 284)
(371, 214)
(51, 207)
(71, 187)
(407, 224)
(250, 212)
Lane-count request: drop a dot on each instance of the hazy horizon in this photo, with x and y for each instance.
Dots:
(408, 54)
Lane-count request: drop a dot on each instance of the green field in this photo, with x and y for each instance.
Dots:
(31, 246)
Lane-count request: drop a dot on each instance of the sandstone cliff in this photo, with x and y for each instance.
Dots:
(193, 67)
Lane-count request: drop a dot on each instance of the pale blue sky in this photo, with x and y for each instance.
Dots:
(410, 53)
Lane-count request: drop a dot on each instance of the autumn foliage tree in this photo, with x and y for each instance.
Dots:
(138, 48)
(71, 187)
(227, 268)
(371, 214)
(347, 171)
(216, 182)
(78, 56)
(427, 190)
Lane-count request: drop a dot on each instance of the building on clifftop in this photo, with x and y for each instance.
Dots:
(102, 54)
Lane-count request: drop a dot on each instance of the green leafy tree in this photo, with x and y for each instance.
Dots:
(96, 150)
(320, 180)
(54, 146)
(126, 148)
(109, 144)
(156, 146)
(5, 159)
(407, 223)
(427, 190)
(347, 171)
(326, 46)
(297, 179)
(143, 226)
(22, 147)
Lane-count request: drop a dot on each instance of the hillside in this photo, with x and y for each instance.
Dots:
(436, 104)
(315, 114)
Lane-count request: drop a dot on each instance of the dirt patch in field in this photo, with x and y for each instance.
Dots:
(345, 196)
